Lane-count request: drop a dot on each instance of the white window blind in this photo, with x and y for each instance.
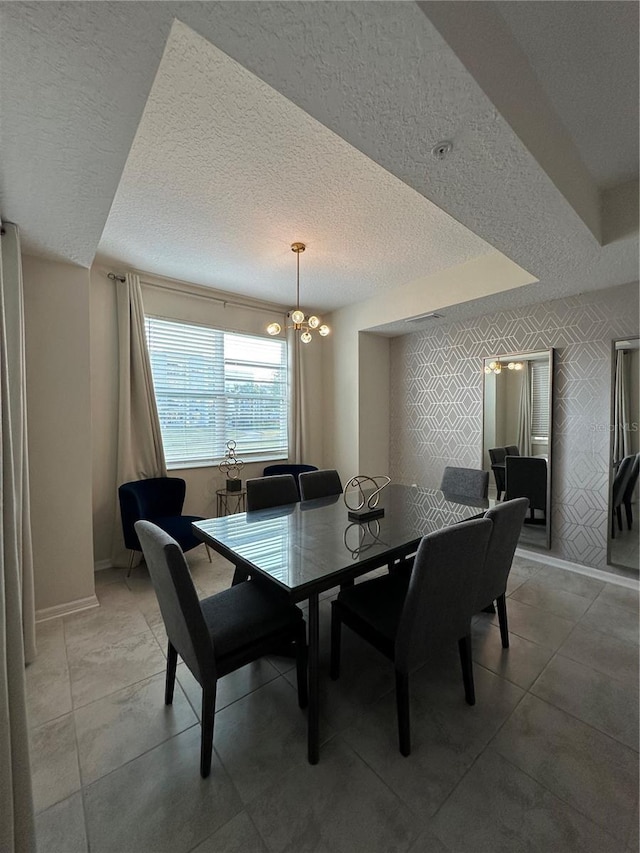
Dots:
(540, 399)
(212, 386)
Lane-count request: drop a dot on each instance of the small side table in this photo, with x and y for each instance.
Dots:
(229, 503)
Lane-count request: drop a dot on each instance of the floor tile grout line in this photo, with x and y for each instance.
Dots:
(561, 799)
(75, 735)
(569, 713)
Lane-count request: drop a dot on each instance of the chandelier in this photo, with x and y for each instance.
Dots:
(496, 366)
(299, 322)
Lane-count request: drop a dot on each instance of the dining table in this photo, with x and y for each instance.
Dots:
(309, 547)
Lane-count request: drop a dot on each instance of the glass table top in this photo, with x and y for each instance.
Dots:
(304, 545)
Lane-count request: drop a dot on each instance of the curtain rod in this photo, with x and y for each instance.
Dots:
(219, 299)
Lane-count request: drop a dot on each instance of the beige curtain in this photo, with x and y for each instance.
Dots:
(17, 617)
(621, 407)
(140, 451)
(524, 412)
(297, 406)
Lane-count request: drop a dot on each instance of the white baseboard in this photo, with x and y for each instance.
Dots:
(65, 609)
(100, 565)
(578, 568)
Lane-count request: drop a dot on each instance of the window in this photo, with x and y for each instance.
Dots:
(212, 386)
(540, 400)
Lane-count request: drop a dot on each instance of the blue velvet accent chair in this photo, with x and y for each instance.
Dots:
(159, 500)
(295, 470)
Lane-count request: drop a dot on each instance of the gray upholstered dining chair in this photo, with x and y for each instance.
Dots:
(295, 470)
(320, 484)
(497, 455)
(620, 485)
(507, 518)
(219, 634)
(265, 492)
(526, 477)
(628, 492)
(470, 482)
(403, 615)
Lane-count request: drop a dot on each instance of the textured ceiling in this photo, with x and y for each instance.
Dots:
(75, 78)
(225, 173)
(585, 55)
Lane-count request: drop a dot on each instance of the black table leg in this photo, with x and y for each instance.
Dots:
(240, 575)
(314, 680)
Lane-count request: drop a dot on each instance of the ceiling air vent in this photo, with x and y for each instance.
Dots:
(431, 315)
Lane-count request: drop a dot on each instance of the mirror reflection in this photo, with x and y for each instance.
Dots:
(517, 426)
(625, 441)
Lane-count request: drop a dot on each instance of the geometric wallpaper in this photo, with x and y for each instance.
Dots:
(436, 403)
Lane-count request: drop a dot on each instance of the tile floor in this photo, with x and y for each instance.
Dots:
(625, 550)
(547, 759)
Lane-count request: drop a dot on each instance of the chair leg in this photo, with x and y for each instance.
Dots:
(402, 706)
(501, 601)
(629, 514)
(336, 636)
(208, 551)
(464, 647)
(131, 559)
(301, 666)
(172, 660)
(208, 716)
(619, 516)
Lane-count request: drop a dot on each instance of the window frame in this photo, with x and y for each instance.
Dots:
(220, 434)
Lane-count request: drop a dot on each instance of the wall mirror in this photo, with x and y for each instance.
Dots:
(517, 435)
(625, 445)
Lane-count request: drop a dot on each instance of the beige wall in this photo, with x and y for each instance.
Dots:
(180, 301)
(59, 422)
(357, 370)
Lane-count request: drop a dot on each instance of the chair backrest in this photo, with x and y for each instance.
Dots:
(497, 454)
(296, 470)
(527, 478)
(320, 484)
(470, 482)
(507, 518)
(178, 600)
(443, 588)
(633, 479)
(622, 478)
(512, 450)
(156, 497)
(264, 492)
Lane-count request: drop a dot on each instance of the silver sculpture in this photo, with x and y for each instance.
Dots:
(370, 499)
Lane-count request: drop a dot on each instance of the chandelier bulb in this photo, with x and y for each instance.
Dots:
(324, 330)
(305, 337)
(297, 316)
(274, 328)
(313, 321)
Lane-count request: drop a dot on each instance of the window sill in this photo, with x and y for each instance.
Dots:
(212, 463)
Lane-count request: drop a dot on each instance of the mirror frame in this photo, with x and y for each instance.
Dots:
(610, 520)
(513, 356)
